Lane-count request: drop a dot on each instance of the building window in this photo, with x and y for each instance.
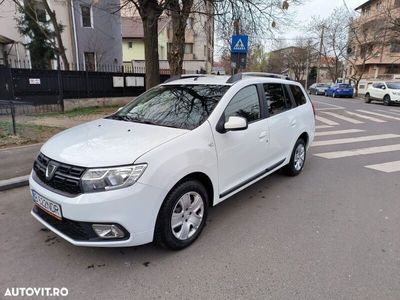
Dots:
(188, 48)
(396, 3)
(395, 47)
(162, 53)
(393, 69)
(90, 61)
(86, 13)
(189, 23)
(130, 44)
(379, 5)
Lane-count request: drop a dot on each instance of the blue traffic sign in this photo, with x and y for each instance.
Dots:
(239, 43)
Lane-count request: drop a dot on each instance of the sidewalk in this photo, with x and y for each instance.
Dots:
(15, 164)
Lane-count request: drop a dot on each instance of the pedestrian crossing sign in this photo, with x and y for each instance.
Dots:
(239, 43)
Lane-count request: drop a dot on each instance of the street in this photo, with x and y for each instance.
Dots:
(330, 233)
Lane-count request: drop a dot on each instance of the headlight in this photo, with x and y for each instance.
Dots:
(396, 93)
(105, 179)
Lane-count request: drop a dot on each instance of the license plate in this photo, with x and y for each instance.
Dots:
(48, 206)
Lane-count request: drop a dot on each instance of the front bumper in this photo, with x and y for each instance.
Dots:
(134, 208)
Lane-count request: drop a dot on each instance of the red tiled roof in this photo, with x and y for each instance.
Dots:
(132, 27)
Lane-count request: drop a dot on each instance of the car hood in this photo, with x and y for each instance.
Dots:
(107, 142)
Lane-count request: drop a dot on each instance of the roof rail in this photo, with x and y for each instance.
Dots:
(240, 76)
(183, 76)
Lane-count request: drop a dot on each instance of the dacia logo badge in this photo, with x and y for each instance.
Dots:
(50, 170)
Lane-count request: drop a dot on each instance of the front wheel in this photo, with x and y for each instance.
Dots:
(367, 98)
(182, 216)
(386, 100)
(334, 95)
(297, 159)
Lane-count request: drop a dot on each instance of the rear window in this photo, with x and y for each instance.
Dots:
(345, 86)
(298, 94)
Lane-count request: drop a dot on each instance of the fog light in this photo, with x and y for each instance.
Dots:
(108, 231)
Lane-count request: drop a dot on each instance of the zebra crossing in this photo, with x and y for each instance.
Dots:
(330, 133)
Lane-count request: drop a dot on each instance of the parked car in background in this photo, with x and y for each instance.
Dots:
(388, 92)
(340, 90)
(318, 88)
(150, 171)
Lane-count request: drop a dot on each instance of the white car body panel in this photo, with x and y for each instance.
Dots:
(104, 142)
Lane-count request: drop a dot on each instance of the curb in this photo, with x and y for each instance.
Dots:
(13, 183)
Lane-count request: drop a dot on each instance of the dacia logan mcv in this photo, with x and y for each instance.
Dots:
(150, 171)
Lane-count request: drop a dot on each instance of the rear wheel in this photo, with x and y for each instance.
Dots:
(297, 159)
(367, 98)
(182, 216)
(334, 95)
(386, 100)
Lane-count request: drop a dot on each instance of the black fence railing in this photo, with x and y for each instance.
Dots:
(44, 86)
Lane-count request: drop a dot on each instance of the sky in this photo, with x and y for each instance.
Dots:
(310, 8)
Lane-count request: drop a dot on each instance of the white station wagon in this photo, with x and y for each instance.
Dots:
(151, 171)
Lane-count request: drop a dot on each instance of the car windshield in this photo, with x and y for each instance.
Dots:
(393, 85)
(345, 86)
(178, 106)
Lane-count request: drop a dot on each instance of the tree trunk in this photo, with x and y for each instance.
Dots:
(57, 30)
(179, 16)
(150, 12)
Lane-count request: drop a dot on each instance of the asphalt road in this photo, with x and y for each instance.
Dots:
(17, 161)
(330, 233)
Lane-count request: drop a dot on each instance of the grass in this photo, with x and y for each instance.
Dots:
(26, 134)
(95, 110)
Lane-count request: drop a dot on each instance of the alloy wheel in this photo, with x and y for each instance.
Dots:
(187, 215)
(299, 157)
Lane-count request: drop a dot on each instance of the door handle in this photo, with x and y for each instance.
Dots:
(293, 123)
(262, 135)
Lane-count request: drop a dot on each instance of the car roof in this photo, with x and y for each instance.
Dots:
(201, 80)
(224, 80)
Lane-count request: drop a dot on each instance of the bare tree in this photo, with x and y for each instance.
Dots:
(179, 12)
(150, 12)
(332, 34)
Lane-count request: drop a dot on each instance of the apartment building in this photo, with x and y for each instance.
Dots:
(199, 39)
(375, 41)
(91, 34)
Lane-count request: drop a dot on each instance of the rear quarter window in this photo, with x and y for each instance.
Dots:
(298, 94)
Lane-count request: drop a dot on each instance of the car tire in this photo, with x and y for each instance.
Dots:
(386, 100)
(316, 93)
(186, 205)
(297, 159)
(334, 95)
(367, 98)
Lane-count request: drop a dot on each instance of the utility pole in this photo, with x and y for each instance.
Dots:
(236, 27)
(320, 51)
(307, 65)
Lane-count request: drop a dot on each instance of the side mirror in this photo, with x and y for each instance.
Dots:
(383, 87)
(236, 124)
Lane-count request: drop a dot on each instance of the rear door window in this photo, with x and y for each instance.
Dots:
(298, 94)
(277, 98)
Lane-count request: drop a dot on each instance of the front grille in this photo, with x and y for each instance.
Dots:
(66, 178)
(78, 231)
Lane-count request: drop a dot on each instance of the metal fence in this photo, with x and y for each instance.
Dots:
(41, 86)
